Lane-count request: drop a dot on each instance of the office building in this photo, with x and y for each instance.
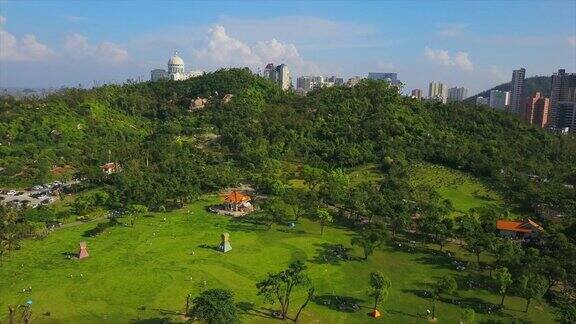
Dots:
(566, 117)
(563, 94)
(305, 84)
(353, 81)
(517, 90)
(390, 77)
(283, 77)
(416, 94)
(535, 110)
(279, 74)
(481, 100)
(335, 80)
(457, 94)
(437, 91)
(269, 72)
(499, 99)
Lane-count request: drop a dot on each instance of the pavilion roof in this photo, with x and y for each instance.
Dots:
(236, 197)
(518, 226)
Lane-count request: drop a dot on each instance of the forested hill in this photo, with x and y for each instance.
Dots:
(533, 84)
(170, 154)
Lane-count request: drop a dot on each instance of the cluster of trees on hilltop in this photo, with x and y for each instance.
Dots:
(148, 124)
(147, 128)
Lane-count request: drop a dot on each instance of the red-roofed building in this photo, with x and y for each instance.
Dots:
(518, 229)
(111, 167)
(236, 201)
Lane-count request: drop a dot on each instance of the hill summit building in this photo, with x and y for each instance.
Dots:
(175, 71)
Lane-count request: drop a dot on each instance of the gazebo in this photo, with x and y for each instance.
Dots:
(236, 201)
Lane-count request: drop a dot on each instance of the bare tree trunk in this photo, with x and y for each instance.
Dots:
(528, 300)
(11, 314)
(310, 295)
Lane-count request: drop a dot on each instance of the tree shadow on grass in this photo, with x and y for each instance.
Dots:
(291, 231)
(422, 293)
(167, 311)
(70, 255)
(209, 247)
(154, 320)
(477, 304)
(398, 312)
(247, 308)
(100, 228)
(334, 254)
(438, 259)
(245, 224)
(344, 304)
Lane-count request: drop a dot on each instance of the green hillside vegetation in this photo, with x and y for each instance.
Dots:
(542, 84)
(361, 162)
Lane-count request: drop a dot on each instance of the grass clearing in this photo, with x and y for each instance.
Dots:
(145, 272)
(463, 190)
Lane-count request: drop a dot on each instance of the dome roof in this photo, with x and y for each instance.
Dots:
(175, 60)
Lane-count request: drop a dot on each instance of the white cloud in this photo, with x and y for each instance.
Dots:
(462, 61)
(226, 50)
(273, 50)
(442, 57)
(438, 56)
(78, 46)
(306, 31)
(451, 30)
(571, 40)
(25, 49)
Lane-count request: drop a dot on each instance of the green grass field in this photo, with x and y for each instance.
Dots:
(143, 274)
(464, 191)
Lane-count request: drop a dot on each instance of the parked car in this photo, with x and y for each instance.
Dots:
(12, 192)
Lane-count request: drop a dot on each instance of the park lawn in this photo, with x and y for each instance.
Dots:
(463, 190)
(145, 272)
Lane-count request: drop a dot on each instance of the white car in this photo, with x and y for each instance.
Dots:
(12, 193)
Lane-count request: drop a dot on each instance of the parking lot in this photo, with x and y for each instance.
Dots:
(36, 195)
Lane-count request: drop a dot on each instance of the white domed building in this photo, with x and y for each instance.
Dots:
(175, 71)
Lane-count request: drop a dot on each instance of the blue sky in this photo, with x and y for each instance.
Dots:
(474, 44)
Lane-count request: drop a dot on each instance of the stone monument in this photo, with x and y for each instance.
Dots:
(83, 252)
(225, 244)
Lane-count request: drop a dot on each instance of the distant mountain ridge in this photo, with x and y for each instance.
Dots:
(533, 84)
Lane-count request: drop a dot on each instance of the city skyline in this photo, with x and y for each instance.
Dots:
(72, 43)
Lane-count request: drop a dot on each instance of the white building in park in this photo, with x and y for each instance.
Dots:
(176, 71)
